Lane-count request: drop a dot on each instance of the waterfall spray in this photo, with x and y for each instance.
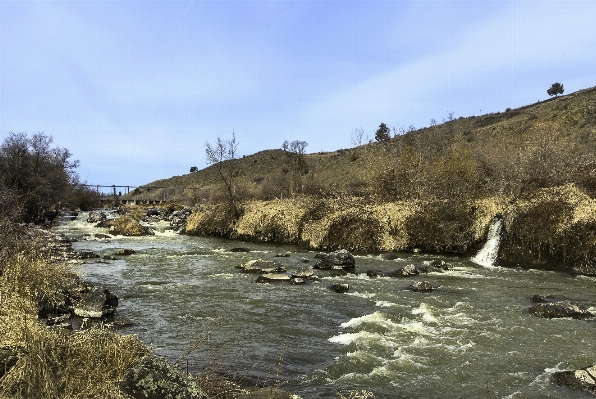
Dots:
(487, 256)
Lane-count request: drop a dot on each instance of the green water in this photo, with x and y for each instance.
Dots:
(471, 338)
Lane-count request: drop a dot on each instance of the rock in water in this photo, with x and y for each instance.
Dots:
(406, 271)
(96, 303)
(262, 266)
(421, 286)
(341, 259)
(551, 310)
(340, 288)
(579, 379)
(96, 217)
(273, 278)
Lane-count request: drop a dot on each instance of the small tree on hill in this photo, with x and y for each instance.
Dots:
(193, 169)
(296, 161)
(221, 154)
(555, 89)
(382, 133)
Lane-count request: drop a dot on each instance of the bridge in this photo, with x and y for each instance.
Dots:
(116, 194)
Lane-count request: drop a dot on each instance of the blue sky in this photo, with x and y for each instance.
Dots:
(135, 89)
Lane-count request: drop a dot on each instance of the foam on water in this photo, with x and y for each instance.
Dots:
(374, 318)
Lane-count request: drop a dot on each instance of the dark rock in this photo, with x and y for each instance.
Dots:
(262, 266)
(273, 278)
(421, 286)
(239, 249)
(304, 260)
(102, 236)
(286, 255)
(390, 256)
(584, 379)
(96, 303)
(341, 259)
(153, 212)
(267, 393)
(125, 252)
(96, 217)
(108, 257)
(373, 273)
(154, 378)
(87, 255)
(339, 288)
(405, 271)
(304, 272)
(560, 309)
(440, 264)
(548, 298)
(8, 358)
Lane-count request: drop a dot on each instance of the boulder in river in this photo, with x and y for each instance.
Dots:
(96, 217)
(405, 271)
(551, 310)
(421, 286)
(339, 288)
(125, 252)
(155, 378)
(440, 264)
(96, 303)
(126, 226)
(262, 266)
(341, 259)
(584, 379)
(273, 278)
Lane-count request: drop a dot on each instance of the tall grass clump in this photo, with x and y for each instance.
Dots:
(51, 362)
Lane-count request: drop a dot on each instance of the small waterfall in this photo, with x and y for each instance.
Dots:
(488, 254)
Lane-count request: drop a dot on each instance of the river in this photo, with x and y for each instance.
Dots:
(472, 337)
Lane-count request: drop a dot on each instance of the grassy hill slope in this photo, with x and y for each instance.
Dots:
(546, 144)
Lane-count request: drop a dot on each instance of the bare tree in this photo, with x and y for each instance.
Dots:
(296, 161)
(43, 175)
(220, 155)
(357, 136)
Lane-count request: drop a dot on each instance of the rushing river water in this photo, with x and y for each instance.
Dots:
(471, 338)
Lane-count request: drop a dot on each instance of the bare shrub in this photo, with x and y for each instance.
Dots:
(442, 226)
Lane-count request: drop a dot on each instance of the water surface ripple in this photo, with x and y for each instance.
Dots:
(473, 337)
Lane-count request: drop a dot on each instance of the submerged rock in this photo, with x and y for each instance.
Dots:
(341, 259)
(273, 278)
(421, 286)
(238, 249)
(125, 252)
(340, 288)
(155, 378)
(262, 266)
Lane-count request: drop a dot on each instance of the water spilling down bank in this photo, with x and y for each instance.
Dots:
(472, 337)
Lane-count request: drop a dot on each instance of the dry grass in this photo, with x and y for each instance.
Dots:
(54, 363)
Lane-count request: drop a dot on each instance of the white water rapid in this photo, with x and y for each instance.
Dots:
(487, 256)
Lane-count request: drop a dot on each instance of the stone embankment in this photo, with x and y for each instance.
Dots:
(554, 229)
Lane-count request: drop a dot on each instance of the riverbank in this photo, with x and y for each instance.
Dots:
(553, 229)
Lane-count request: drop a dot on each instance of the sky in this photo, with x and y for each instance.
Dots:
(134, 89)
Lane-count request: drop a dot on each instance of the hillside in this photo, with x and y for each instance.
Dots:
(513, 153)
